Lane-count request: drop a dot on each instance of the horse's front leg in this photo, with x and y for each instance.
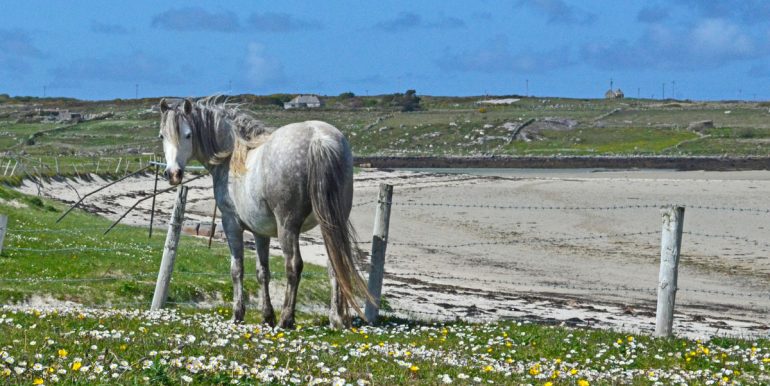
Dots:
(234, 233)
(263, 275)
(289, 239)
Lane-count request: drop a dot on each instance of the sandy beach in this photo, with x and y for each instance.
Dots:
(564, 246)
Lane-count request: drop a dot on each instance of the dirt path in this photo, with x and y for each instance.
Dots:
(534, 255)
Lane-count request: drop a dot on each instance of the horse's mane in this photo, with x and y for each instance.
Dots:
(247, 131)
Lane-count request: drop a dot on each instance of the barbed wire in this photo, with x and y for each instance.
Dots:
(523, 241)
(364, 203)
(728, 237)
(583, 208)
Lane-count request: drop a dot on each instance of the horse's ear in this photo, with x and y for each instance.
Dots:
(187, 106)
(163, 105)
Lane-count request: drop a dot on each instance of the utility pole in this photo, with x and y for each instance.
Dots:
(673, 89)
(638, 93)
(526, 94)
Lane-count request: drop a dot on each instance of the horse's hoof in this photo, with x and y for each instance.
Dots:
(287, 324)
(336, 323)
(269, 319)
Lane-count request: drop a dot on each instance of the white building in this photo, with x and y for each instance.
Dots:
(308, 101)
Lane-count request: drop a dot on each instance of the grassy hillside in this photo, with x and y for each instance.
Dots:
(124, 133)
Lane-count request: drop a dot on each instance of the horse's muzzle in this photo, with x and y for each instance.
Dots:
(174, 176)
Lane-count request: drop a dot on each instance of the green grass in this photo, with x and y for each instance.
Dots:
(90, 346)
(73, 261)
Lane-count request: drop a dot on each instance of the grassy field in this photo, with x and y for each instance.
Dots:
(74, 313)
(445, 126)
(72, 261)
(106, 346)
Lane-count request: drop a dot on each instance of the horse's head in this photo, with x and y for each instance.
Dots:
(176, 131)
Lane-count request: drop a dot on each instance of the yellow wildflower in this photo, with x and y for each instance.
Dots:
(414, 368)
(630, 338)
(573, 371)
(488, 368)
(37, 381)
(62, 353)
(76, 366)
(583, 382)
(247, 335)
(6, 372)
(548, 384)
(535, 369)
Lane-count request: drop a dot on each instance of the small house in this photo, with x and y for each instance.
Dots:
(617, 94)
(303, 101)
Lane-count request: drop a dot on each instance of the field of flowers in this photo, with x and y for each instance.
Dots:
(73, 345)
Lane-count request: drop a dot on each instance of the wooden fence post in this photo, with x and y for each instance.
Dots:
(169, 251)
(379, 244)
(3, 228)
(670, 246)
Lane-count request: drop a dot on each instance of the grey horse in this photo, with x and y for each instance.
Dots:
(274, 184)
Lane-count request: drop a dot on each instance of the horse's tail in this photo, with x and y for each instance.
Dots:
(330, 164)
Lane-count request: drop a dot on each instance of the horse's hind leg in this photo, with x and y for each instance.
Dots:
(289, 239)
(263, 275)
(338, 318)
(234, 234)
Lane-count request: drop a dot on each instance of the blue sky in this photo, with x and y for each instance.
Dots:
(702, 49)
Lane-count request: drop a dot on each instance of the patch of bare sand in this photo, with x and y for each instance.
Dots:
(556, 265)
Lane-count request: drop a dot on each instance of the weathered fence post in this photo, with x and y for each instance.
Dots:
(379, 243)
(169, 250)
(3, 228)
(118, 167)
(670, 246)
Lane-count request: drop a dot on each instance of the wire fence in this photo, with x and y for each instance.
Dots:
(38, 167)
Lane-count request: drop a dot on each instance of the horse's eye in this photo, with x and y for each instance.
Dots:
(160, 136)
(188, 135)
